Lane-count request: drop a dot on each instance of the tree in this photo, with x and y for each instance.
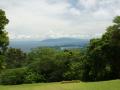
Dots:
(43, 62)
(15, 58)
(4, 40)
(111, 47)
(3, 34)
(96, 61)
(103, 54)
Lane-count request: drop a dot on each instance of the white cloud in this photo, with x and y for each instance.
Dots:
(88, 3)
(74, 11)
(40, 19)
(101, 14)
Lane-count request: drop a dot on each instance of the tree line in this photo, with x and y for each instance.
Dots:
(99, 60)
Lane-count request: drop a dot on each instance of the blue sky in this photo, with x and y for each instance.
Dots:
(42, 19)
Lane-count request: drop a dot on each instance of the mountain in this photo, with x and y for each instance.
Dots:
(60, 42)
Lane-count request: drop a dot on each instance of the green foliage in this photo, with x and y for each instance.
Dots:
(117, 20)
(3, 34)
(74, 72)
(54, 65)
(39, 54)
(44, 67)
(12, 76)
(15, 58)
(2, 63)
(4, 40)
(3, 20)
(33, 77)
(103, 55)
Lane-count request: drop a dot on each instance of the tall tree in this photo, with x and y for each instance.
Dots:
(111, 47)
(104, 54)
(4, 40)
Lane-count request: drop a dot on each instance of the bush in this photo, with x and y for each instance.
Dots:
(12, 76)
(42, 70)
(33, 77)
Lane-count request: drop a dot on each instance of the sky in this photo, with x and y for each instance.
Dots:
(43, 19)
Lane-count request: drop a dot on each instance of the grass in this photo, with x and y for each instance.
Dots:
(104, 85)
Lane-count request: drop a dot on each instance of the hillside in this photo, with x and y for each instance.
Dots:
(60, 42)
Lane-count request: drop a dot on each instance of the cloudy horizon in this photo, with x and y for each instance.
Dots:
(43, 19)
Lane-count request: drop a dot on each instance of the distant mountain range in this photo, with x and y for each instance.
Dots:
(60, 42)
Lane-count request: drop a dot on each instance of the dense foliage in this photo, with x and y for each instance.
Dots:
(103, 54)
(15, 58)
(12, 76)
(100, 60)
(3, 37)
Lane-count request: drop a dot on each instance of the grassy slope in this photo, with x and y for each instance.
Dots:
(106, 85)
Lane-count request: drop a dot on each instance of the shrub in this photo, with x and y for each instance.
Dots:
(33, 77)
(12, 76)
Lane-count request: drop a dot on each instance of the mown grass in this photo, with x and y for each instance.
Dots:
(104, 85)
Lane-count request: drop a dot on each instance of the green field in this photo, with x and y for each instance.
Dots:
(105, 85)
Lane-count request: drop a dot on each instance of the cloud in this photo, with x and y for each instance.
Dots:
(51, 35)
(74, 11)
(101, 13)
(41, 19)
(87, 3)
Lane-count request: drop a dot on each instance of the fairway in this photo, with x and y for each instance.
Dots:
(105, 85)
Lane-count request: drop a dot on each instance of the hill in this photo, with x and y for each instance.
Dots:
(60, 42)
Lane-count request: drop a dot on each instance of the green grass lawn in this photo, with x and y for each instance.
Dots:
(105, 85)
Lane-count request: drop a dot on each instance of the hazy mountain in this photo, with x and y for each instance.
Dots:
(60, 42)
